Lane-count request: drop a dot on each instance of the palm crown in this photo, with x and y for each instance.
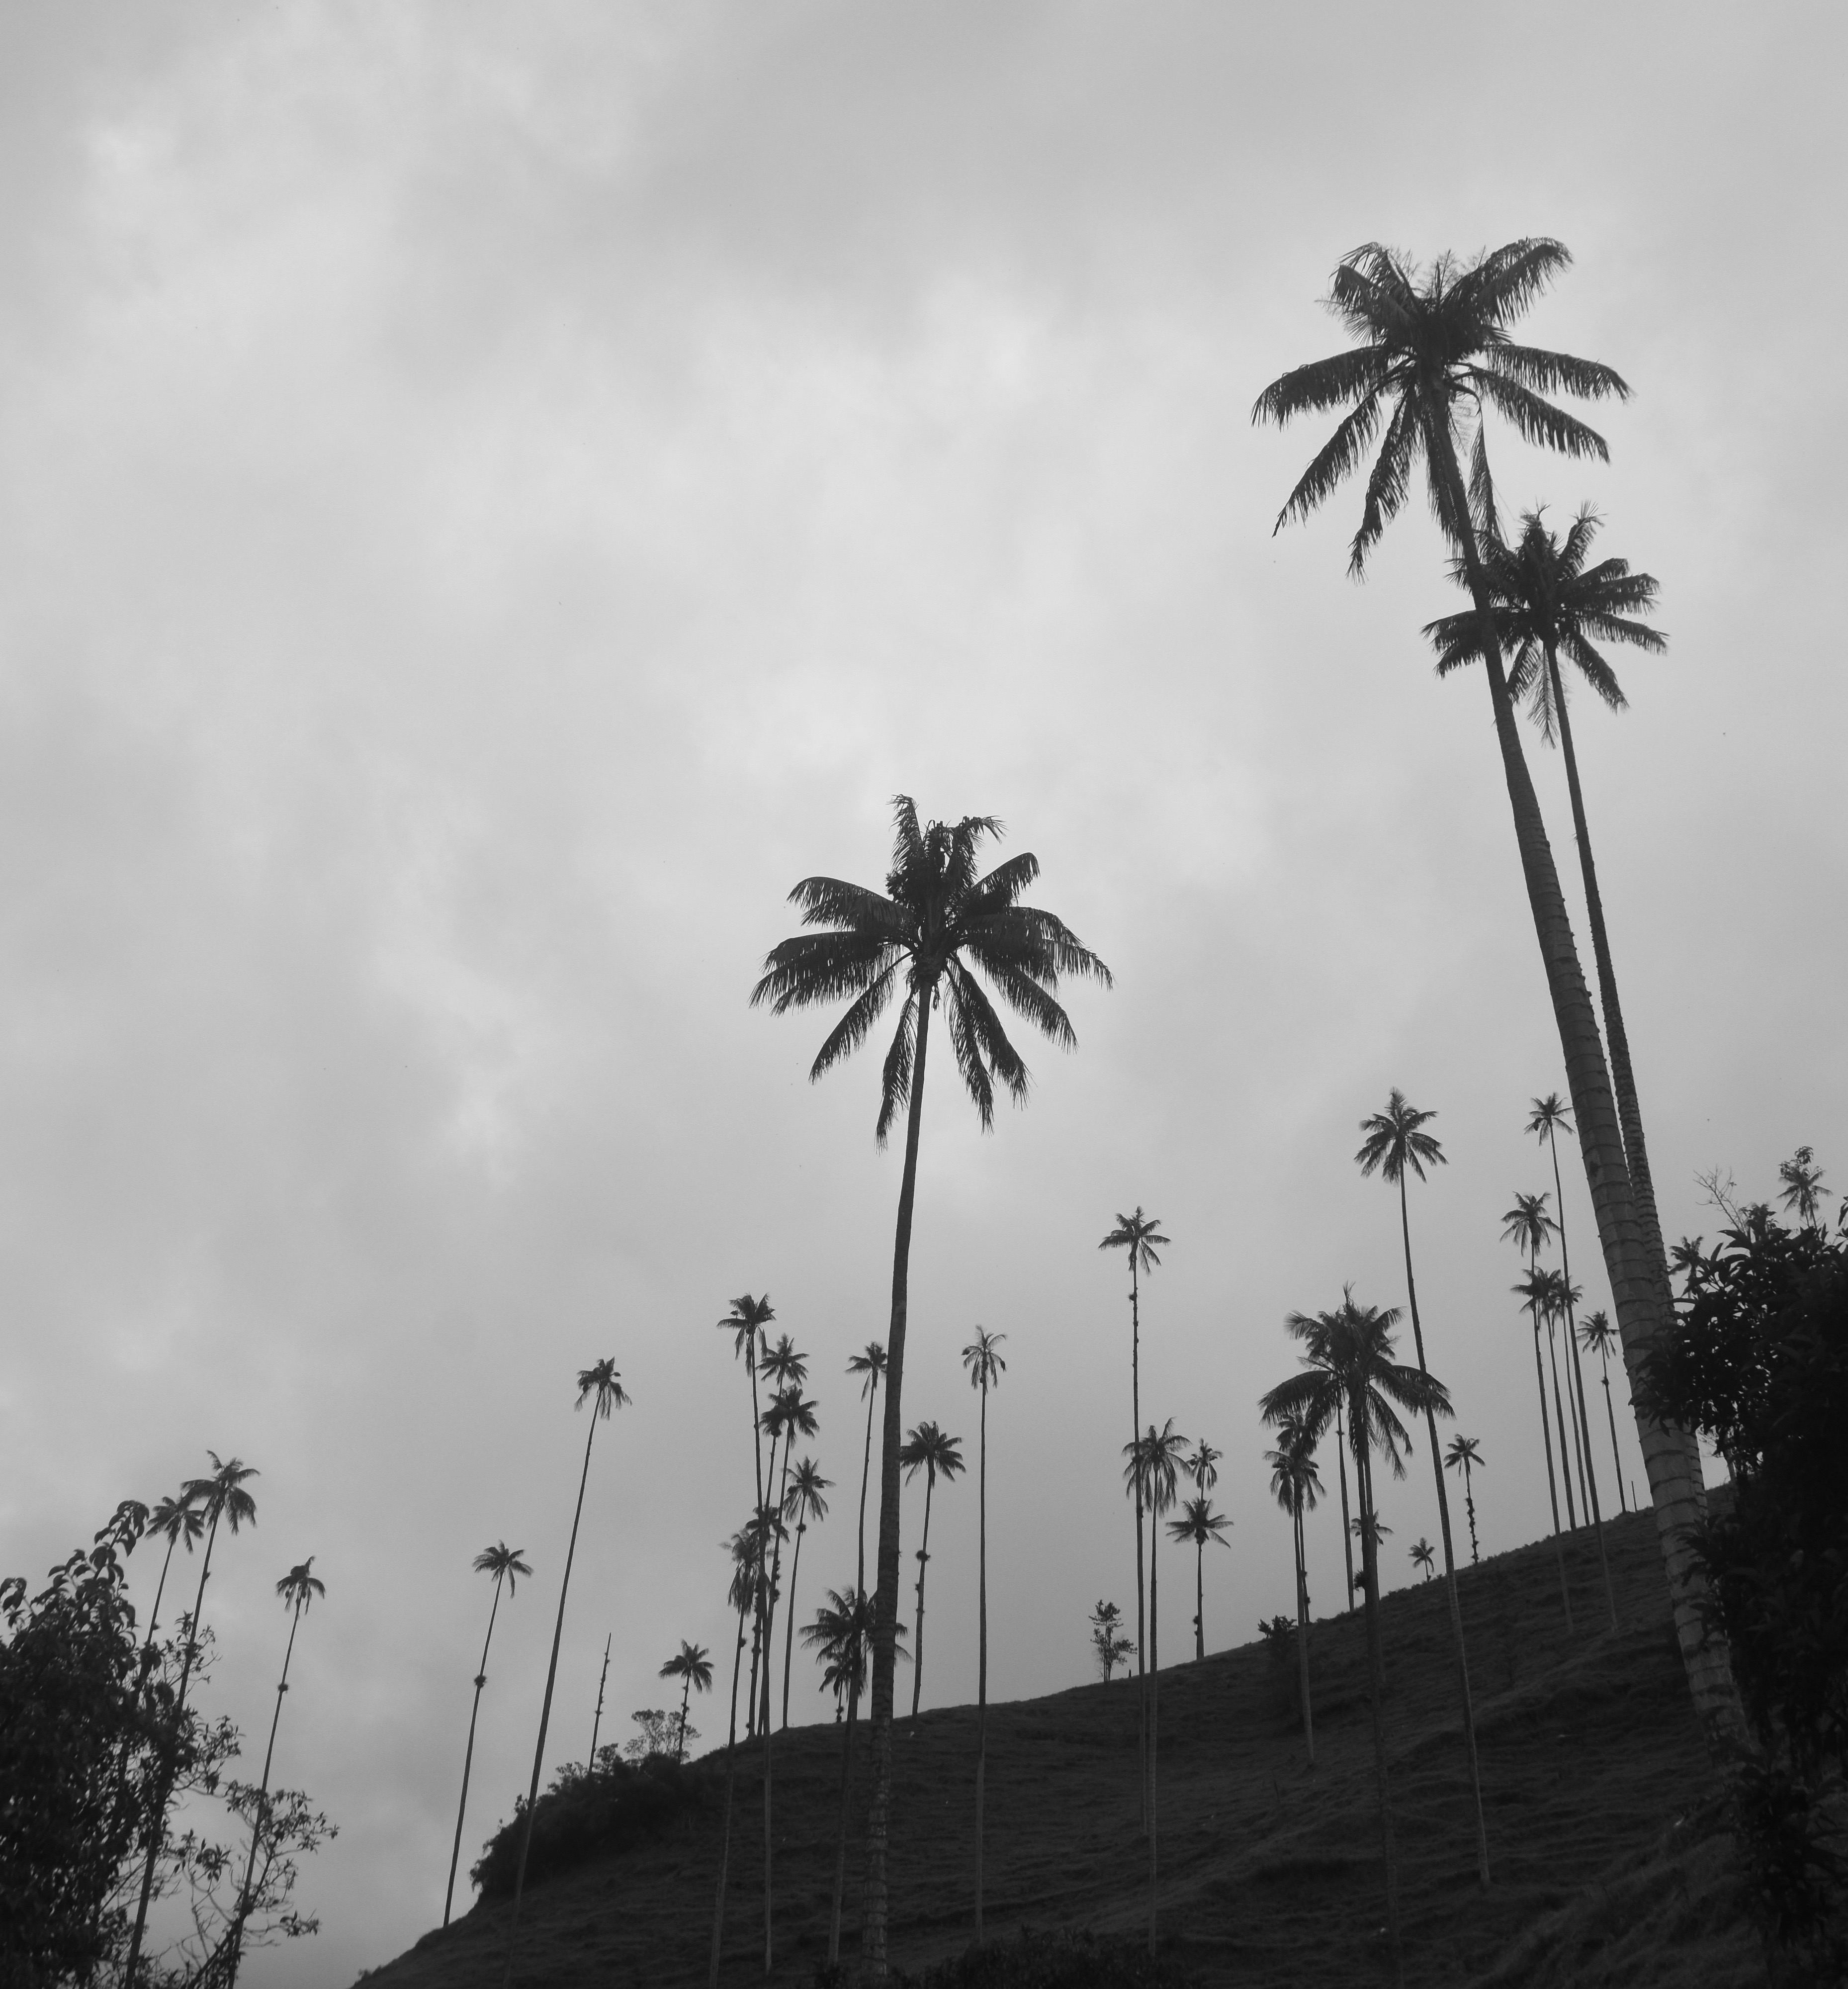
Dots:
(1347, 1362)
(222, 1496)
(803, 1501)
(692, 1662)
(937, 918)
(930, 1450)
(783, 1365)
(177, 1519)
(747, 1319)
(981, 1359)
(1527, 1225)
(1393, 1141)
(1464, 1450)
(1138, 1234)
(868, 1366)
(1294, 1477)
(1802, 1181)
(1203, 1466)
(601, 1387)
(1596, 1334)
(299, 1587)
(1200, 1523)
(1154, 1461)
(503, 1563)
(1549, 1116)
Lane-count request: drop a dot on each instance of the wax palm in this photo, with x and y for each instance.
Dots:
(219, 1499)
(1317, 1332)
(982, 1363)
(1200, 1523)
(1395, 1143)
(1139, 1234)
(1151, 1471)
(787, 1417)
(938, 922)
(1203, 1466)
(1465, 1455)
(1598, 1336)
(692, 1664)
(803, 1502)
(1297, 1488)
(1802, 1181)
(179, 1521)
(868, 1366)
(1424, 1555)
(506, 1565)
(1548, 1295)
(749, 1549)
(1433, 355)
(1526, 1225)
(601, 1387)
(928, 1449)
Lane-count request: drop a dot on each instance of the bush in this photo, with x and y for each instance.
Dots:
(584, 1815)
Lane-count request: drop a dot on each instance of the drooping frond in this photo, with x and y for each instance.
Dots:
(1389, 484)
(895, 1079)
(1537, 421)
(1322, 384)
(821, 966)
(1339, 455)
(1544, 372)
(1501, 285)
(853, 1028)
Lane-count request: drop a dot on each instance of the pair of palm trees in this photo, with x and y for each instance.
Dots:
(1296, 1486)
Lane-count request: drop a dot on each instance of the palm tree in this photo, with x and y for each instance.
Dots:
(1394, 1141)
(506, 1564)
(869, 1366)
(1550, 1295)
(297, 1590)
(983, 1362)
(1152, 1467)
(1527, 1226)
(1598, 1336)
(179, 1520)
(1200, 1523)
(1464, 1454)
(1139, 1234)
(1422, 1554)
(220, 1497)
(938, 920)
(1433, 348)
(1347, 1359)
(930, 1450)
(745, 1594)
(1802, 1181)
(691, 1664)
(788, 1417)
(802, 1503)
(1297, 1487)
(601, 1387)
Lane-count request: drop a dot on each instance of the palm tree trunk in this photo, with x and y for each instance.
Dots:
(872, 1396)
(1469, 1501)
(1155, 1668)
(481, 1679)
(1546, 1434)
(686, 1694)
(731, 1776)
(1302, 1628)
(846, 1771)
(1450, 1558)
(1347, 1525)
(602, 1679)
(1566, 1455)
(1141, 1624)
(1616, 1461)
(917, 1648)
(235, 1938)
(1199, 1600)
(789, 1633)
(545, 1711)
(763, 1722)
(981, 1659)
(1369, 1563)
(886, 1606)
(1632, 1256)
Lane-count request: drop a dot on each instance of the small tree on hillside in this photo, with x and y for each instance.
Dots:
(1108, 1642)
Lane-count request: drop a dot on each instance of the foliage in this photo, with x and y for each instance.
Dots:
(586, 1813)
(1279, 1635)
(661, 1733)
(1111, 1647)
(1060, 1958)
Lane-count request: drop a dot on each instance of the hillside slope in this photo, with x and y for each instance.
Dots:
(1597, 1792)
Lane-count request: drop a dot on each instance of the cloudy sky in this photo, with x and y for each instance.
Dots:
(490, 497)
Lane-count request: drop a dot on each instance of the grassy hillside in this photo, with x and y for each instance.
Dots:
(1606, 1868)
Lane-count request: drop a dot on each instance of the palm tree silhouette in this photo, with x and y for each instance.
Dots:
(179, 1521)
(691, 1664)
(1297, 1487)
(1598, 1336)
(937, 922)
(1394, 1142)
(1139, 1234)
(1464, 1454)
(802, 1501)
(1152, 1469)
(1432, 354)
(1527, 1226)
(601, 1387)
(869, 1366)
(1802, 1181)
(297, 1590)
(983, 1362)
(1422, 1553)
(506, 1564)
(1348, 1358)
(1549, 1295)
(220, 1497)
(930, 1450)
(745, 1593)
(1200, 1523)
(788, 1417)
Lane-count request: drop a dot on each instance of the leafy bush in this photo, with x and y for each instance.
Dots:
(582, 1815)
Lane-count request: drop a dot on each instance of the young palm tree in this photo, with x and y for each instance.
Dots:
(982, 1360)
(1598, 1336)
(1394, 1141)
(1297, 1487)
(928, 1450)
(1464, 1455)
(1432, 353)
(601, 1387)
(691, 1664)
(938, 922)
(1139, 1234)
(1200, 1523)
(1152, 1469)
(1528, 1227)
(221, 1497)
(1802, 1181)
(1422, 1553)
(869, 1366)
(802, 1502)
(506, 1564)
(745, 1594)
(297, 1589)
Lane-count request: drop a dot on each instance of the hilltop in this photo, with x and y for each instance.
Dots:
(1608, 1866)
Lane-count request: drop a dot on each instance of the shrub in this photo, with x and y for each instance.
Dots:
(582, 1815)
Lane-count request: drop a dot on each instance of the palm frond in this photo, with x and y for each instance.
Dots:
(1388, 484)
(1554, 372)
(1339, 455)
(853, 1028)
(1595, 670)
(1537, 421)
(895, 1079)
(1501, 285)
(820, 967)
(1334, 382)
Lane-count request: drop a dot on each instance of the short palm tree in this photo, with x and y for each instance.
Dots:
(219, 1497)
(1200, 1523)
(868, 1365)
(928, 1449)
(788, 1417)
(1396, 1143)
(803, 1502)
(1152, 1468)
(1424, 1555)
(506, 1565)
(1598, 1336)
(601, 1387)
(1802, 1181)
(841, 1637)
(692, 1664)
(1297, 1487)
(983, 1362)
(1432, 353)
(937, 924)
(1465, 1455)
(297, 1590)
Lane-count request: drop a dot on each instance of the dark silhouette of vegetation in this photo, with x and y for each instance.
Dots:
(1527, 1225)
(1465, 1455)
(691, 1664)
(804, 1502)
(1108, 1642)
(1065, 1958)
(1199, 1523)
(588, 1813)
(1297, 1487)
(983, 1362)
(930, 1450)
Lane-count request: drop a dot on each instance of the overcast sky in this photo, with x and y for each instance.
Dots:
(490, 497)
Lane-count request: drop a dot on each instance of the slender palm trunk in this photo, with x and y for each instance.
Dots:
(1565, 1454)
(120, 1797)
(1546, 1434)
(731, 1778)
(1141, 1625)
(789, 1630)
(235, 1936)
(1369, 1562)
(602, 1679)
(1302, 1628)
(686, 1694)
(885, 1607)
(847, 1776)
(917, 1650)
(1155, 1668)
(981, 1659)
(1199, 1600)
(764, 1721)
(1469, 1502)
(1616, 1461)
(1450, 1557)
(872, 1396)
(461, 1808)
(1347, 1524)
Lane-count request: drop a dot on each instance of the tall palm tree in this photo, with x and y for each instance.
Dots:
(938, 922)
(1465, 1455)
(745, 1549)
(1432, 354)
(181, 1522)
(1802, 1181)
(506, 1564)
(869, 1366)
(1396, 1143)
(691, 1664)
(297, 1590)
(928, 1449)
(802, 1502)
(1347, 1359)
(1297, 1487)
(1598, 1336)
(1550, 1296)
(601, 1387)
(1152, 1468)
(983, 1362)
(1200, 1523)
(841, 1637)
(219, 1497)
(1139, 1234)
(1422, 1554)
(1529, 1228)
(603, 1680)
(1313, 1331)
(789, 1416)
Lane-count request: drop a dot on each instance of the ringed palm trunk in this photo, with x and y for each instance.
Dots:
(866, 1472)
(725, 1838)
(1450, 1557)
(789, 1631)
(686, 1694)
(1546, 1436)
(1469, 1504)
(763, 1717)
(847, 1775)
(1616, 1461)
(981, 1659)
(1370, 1564)
(1155, 1689)
(1199, 1600)
(1347, 1524)
(1631, 1258)
(1141, 1624)
(236, 1935)
(917, 1668)
(1302, 1629)
(1565, 1454)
